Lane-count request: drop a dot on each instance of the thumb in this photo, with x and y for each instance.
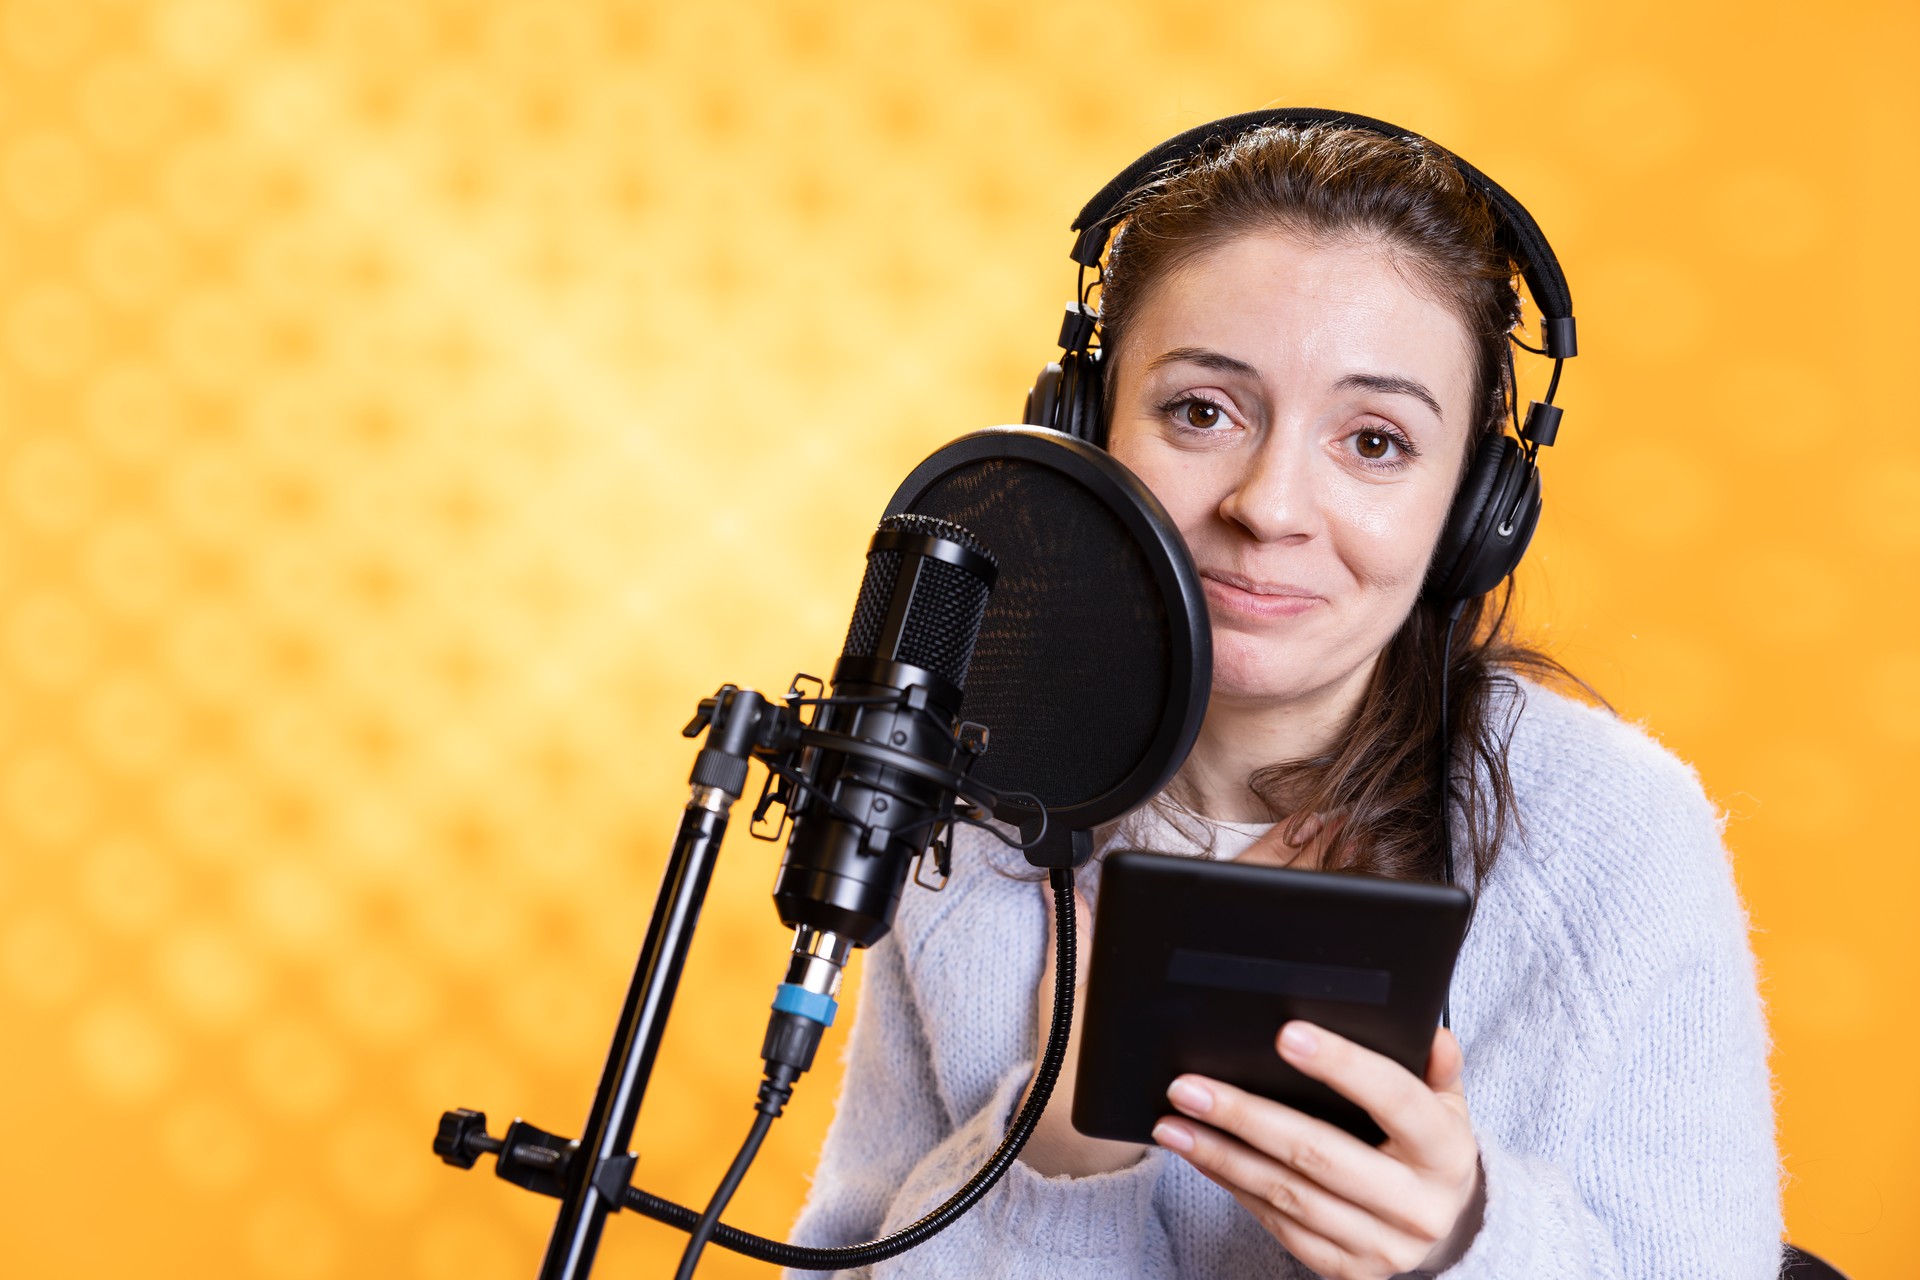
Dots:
(1445, 1064)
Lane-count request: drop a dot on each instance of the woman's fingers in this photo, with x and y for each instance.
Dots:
(1424, 1131)
(1323, 1230)
(1445, 1064)
(1344, 1208)
(1321, 1255)
(1328, 1156)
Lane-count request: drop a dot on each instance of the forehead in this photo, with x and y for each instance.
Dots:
(1292, 307)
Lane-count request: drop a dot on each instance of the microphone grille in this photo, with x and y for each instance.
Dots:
(943, 613)
(870, 612)
(949, 604)
(934, 527)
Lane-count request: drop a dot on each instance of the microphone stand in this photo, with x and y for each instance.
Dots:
(590, 1176)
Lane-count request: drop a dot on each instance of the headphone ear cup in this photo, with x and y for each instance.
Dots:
(1490, 524)
(1085, 402)
(1067, 397)
(1043, 399)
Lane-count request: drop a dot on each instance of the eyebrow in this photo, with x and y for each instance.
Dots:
(1206, 357)
(1391, 384)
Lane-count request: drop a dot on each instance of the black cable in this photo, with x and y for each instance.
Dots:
(783, 1254)
(690, 1258)
(1446, 775)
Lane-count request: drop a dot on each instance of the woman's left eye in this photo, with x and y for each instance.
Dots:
(1375, 445)
(1202, 415)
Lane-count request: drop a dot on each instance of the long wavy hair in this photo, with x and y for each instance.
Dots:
(1374, 800)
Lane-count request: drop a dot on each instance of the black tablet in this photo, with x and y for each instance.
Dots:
(1196, 965)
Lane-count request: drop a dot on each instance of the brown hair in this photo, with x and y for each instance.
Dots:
(1329, 184)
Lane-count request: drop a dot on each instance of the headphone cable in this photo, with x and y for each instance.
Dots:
(1446, 776)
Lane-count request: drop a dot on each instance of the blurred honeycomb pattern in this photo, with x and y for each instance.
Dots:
(408, 411)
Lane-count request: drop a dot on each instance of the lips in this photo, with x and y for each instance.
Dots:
(1235, 594)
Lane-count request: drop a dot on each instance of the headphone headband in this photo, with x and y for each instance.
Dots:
(1538, 265)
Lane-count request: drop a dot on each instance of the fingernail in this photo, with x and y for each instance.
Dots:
(1194, 1099)
(1174, 1137)
(1297, 1040)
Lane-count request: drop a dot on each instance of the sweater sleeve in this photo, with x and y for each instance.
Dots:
(1622, 1104)
(893, 1153)
(1674, 1176)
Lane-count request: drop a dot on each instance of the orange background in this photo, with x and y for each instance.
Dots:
(408, 411)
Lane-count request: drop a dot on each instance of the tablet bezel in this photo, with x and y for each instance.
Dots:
(1196, 965)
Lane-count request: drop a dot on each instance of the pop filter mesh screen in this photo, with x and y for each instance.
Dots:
(1073, 667)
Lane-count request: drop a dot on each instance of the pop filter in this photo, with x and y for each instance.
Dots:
(1095, 657)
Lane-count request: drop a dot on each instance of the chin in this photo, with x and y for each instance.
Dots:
(1247, 668)
(1259, 669)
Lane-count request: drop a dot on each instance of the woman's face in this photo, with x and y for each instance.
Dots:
(1302, 411)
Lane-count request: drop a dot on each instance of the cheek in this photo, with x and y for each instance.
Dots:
(1182, 482)
(1388, 533)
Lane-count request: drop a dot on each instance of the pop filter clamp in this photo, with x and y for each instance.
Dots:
(1101, 586)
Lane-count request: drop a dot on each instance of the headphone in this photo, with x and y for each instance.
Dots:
(1498, 505)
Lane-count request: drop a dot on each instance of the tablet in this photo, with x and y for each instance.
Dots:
(1196, 965)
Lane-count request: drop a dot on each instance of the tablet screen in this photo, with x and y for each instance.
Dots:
(1197, 964)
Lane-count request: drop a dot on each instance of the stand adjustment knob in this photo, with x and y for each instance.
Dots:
(463, 1138)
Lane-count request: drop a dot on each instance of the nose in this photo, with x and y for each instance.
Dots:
(1276, 498)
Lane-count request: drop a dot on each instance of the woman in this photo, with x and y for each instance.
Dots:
(1306, 338)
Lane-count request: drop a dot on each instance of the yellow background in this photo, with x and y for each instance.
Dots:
(408, 411)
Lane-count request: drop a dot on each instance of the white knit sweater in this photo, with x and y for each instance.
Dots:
(1616, 1058)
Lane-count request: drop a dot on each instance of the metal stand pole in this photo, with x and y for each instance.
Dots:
(589, 1194)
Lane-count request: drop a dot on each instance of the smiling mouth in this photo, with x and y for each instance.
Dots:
(1243, 596)
(1252, 588)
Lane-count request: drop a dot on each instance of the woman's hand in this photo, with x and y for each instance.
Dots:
(1347, 1210)
(1056, 1147)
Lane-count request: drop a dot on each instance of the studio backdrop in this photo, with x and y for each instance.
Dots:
(408, 411)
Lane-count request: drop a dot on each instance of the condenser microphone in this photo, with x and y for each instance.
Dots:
(862, 819)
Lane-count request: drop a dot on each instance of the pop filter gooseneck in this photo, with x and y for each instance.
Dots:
(1095, 659)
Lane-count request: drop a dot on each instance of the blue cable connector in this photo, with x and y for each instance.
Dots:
(791, 998)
